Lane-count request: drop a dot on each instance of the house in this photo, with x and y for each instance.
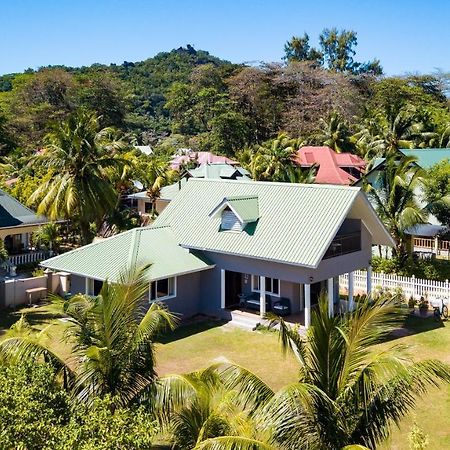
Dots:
(217, 171)
(224, 247)
(332, 167)
(17, 223)
(198, 159)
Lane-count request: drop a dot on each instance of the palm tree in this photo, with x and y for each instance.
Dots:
(387, 132)
(335, 133)
(213, 408)
(349, 391)
(271, 160)
(156, 173)
(113, 337)
(393, 194)
(81, 158)
(48, 235)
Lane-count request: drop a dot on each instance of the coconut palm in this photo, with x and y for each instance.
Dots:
(387, 132)
(334, 133)
(81, 157)
(271, 160)
(393, 193)
(349, 391)
(113, 341)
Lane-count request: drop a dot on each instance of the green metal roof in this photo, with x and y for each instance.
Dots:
(218, 171)
(108, 258)
(427, 157)
(296, 222)
(13, 213)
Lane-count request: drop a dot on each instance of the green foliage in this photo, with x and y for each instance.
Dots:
(104, 426)
(33, 407)
(437, 191)
(3, 252)
(430, 269)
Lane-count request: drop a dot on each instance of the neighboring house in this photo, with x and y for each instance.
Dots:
(199, 159)
(425, 238)
(17, 223)
(223, 246)
(332, 167)
(216, 171)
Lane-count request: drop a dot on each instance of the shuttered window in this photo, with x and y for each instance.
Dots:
(230, 221)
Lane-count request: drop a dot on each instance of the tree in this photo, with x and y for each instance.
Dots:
(338, 49)
(113, 337)
(335, 133)
(298, 49)
(349, 392)
(81, 157)
(33, 406)
(437, 191)
(48, 235)
(394, 197)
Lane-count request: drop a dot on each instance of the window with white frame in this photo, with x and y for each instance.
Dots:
(163, 289)
(272, 285)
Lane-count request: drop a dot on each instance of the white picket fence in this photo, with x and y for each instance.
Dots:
(25, 258)
(411, 286)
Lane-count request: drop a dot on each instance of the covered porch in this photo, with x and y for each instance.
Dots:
(248, 297)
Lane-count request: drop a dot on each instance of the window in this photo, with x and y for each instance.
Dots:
(230, 221)
(163, 289)
(272, 285)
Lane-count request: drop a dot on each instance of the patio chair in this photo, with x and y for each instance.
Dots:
(282, 307)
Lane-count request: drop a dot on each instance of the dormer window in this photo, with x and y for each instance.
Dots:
(230, 221)
(236, 212)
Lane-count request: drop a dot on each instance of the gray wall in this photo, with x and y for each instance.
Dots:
(186, 303)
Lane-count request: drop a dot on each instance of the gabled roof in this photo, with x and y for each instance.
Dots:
(427, 157)
(296, 224)
(200, 158)
(217, 171)
(246, 208)
(13, 213)
(330, 164)
(108, 258)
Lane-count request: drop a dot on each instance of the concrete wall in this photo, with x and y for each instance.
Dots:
(13, 291)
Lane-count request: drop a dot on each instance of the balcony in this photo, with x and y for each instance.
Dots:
(343, 244)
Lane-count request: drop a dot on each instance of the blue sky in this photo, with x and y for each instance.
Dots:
(407, 36)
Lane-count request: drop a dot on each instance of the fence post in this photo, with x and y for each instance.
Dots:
(413, 286)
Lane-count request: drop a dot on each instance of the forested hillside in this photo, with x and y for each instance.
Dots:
(187, 97)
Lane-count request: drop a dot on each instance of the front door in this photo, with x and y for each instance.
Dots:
(233, 287)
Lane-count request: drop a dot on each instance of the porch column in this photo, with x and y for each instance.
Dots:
(307, 305)
(350, 290)
(436, 245)
(222, 288)
(86, 285)
(262, 296)
(369, 280)
(330, 297)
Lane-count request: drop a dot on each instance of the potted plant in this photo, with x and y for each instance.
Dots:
(412, 303)
(423, 306)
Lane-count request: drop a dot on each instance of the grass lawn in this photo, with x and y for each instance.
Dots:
(196, 345)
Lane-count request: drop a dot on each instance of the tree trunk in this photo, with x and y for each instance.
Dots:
(85, 232)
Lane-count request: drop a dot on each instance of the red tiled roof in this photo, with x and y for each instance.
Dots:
(330, 164)
(201, 158)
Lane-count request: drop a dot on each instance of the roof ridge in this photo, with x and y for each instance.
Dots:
(276, 183)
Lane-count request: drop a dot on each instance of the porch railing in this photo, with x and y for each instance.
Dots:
(343, 244)
(430, 245)
(26, 258)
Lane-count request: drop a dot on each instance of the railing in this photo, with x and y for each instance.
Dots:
(430, 245)
(26, 258)
(343, 244)
(411, 286)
